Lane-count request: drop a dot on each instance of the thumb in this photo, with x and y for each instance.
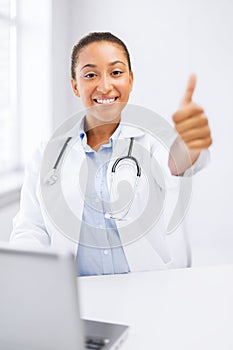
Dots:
(187, 98)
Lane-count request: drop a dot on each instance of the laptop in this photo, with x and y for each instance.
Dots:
(39, 305)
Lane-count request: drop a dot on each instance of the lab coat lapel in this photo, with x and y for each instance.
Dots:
(73, 184)
(64, 200)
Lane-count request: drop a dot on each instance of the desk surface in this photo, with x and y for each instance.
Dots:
(174, 309)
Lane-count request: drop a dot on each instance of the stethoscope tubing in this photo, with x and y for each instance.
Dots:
(115, 164)
(118, 160)
(61, 153)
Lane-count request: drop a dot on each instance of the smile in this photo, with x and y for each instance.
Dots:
(105, 100)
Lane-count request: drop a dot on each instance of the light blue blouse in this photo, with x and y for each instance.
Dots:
(99, 250)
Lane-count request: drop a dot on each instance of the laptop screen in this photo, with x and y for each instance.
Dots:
(39, 306)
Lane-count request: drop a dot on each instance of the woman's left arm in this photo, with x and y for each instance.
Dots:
(194, 132)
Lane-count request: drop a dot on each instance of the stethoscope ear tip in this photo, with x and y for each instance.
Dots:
(51, 178)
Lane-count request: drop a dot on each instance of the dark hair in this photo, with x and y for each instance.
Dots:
(93, 37)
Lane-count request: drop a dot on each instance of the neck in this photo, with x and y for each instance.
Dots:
(97, 134)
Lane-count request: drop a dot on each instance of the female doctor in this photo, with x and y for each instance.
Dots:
(109, 240)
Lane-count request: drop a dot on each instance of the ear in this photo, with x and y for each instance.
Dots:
(74, 87)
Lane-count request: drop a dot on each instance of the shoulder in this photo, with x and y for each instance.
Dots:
(149, 139)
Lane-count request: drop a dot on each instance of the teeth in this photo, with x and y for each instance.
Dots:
(106, 101)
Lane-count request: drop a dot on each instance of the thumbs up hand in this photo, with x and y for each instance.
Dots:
(191, 122)
(192, 126)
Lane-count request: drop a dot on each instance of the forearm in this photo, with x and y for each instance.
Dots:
(181, 158)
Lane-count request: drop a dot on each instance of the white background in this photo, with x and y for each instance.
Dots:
(167, 41)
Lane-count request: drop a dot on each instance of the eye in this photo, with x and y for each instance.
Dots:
(89, 75)
(117, 72)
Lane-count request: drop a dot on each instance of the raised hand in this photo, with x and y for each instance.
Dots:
(191, 122)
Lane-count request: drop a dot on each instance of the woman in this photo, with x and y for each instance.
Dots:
(102, 78)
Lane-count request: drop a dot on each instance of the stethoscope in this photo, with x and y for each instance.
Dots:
(52, 176)
(121, 215)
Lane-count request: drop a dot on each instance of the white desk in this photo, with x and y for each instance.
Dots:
(183, 309)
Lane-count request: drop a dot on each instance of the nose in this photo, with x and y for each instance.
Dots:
(104, 84)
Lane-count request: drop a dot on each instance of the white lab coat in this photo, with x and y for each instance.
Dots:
(52, 215)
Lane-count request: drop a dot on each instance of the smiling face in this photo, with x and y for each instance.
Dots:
(103, 80)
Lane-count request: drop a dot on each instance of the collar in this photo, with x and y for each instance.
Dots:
(76, 131)
(82, 133)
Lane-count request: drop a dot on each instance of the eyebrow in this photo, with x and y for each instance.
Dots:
(110, 64)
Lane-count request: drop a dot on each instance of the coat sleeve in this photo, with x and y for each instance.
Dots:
(28, 225)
